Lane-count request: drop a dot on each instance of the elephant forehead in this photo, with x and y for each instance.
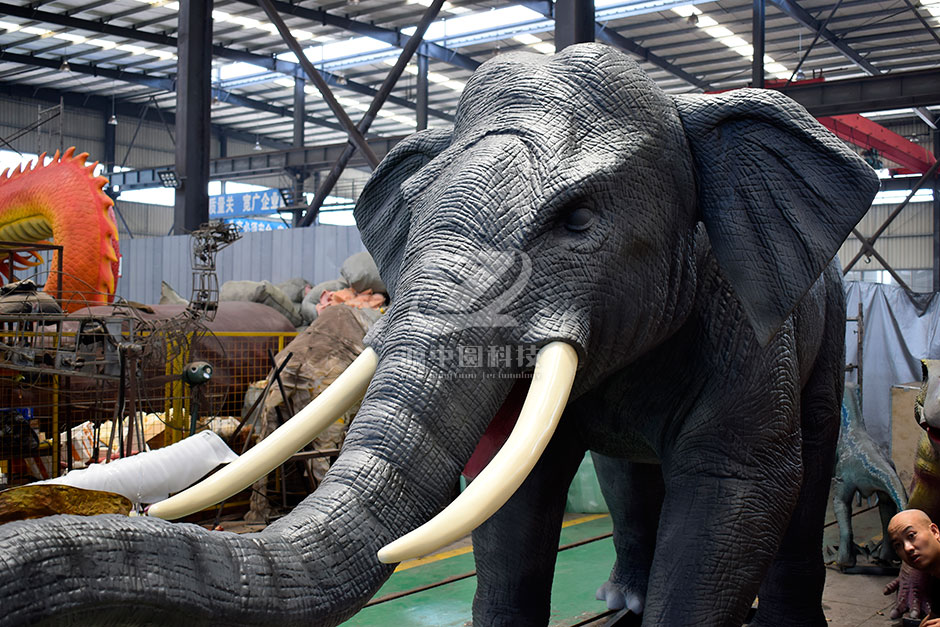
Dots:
(582, 93)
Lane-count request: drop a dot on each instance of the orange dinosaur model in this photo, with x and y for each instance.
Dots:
(63, 200)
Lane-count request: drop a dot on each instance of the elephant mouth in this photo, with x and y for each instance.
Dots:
(499, 429)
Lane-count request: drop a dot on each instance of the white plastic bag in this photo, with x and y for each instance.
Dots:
(153, 476)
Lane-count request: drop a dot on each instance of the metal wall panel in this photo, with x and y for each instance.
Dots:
(315, 253)
(144, 220)
(907, 244)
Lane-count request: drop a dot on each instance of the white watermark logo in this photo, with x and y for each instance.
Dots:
(468, 282)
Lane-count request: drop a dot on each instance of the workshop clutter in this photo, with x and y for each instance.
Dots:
(359, 285)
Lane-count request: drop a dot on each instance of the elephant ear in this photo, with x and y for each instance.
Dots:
(778, 194)
(382, 213)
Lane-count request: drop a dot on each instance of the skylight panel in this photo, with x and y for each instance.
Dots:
(724, 35)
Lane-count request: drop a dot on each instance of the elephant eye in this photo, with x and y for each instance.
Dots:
(579, 219)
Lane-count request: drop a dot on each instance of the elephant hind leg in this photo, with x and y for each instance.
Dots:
(791, 593)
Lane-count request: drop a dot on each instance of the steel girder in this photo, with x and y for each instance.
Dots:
(258, 163)
(265, 61)
(798, 13)
(920, 88)
(124, 109)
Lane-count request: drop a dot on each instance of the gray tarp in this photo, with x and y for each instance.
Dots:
(899, 331)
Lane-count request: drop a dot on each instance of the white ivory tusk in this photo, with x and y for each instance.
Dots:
(554, 374)
(277, 448)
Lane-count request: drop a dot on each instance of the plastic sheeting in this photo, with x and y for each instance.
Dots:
(900, 330)
(151, 477)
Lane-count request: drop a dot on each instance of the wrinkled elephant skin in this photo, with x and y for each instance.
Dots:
(681, 245)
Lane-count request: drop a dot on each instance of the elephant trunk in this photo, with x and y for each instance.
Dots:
(317, 566)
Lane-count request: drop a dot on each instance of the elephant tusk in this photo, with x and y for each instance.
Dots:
(554, 374)
(277, 448)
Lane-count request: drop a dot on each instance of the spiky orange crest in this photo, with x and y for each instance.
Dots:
(64, 200)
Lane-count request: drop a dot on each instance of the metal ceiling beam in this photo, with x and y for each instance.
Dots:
(266, 61)
(791, 8)
(898, 90)
(613, 38)
(617, 40)
(798, 13)
(326, 185)
(389, 36)
(348, 125)
(258, 163)
(165, 84)
(123, 109)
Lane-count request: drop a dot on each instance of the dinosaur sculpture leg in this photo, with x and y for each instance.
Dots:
(515, 562)
(634, 495)
(887, 508)
(842, 507)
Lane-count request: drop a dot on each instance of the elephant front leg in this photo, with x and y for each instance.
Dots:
(515, 549)
(726, 507)
(634, 495)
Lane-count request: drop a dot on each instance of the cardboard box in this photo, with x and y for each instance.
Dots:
(905, 432)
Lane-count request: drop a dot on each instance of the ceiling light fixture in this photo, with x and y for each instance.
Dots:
(112, 121)
(257, 147)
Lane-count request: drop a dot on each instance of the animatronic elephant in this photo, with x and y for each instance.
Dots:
(662, 257)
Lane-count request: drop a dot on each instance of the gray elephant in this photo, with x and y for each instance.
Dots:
(658, 266)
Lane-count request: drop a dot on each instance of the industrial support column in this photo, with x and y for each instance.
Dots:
(421, 96)
(757, 34)
(574, 22)
(223, 152)
(299, 174)
(193, 89)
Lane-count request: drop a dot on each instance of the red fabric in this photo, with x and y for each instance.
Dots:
(498, 431)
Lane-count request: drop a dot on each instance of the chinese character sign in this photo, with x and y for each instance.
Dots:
(254, 226)
(244, 204)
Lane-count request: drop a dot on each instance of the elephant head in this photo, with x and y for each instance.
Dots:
(566, 215)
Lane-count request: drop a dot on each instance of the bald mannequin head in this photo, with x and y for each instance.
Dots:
(916, 540)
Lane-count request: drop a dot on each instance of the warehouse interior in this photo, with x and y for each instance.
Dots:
(230, 141)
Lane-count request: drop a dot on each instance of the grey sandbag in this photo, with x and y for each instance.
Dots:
(361, 274)
(308, 308)
(263, 292)
(251, 291)
(294, 288)
(169, 296)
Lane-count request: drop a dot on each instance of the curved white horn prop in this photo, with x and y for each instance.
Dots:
(277, 448)
(554, 374)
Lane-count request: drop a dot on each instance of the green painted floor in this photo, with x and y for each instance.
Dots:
(578, 573)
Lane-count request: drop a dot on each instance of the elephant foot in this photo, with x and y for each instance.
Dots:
(619, 596)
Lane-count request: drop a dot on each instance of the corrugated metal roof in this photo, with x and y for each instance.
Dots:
(708, 42)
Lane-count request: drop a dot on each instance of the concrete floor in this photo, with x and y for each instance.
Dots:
(849, 600)
(853, 600)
